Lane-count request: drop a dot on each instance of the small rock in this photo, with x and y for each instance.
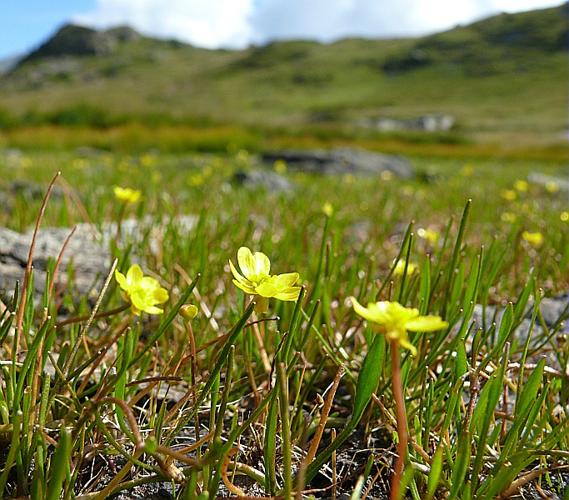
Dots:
(254, 179)
(87, 251)
(549, 181)
(425, 123)
(32, 191)
(89, 260)
(341, 161)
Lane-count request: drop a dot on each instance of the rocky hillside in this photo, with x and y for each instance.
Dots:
(501, 74)
(71, 40)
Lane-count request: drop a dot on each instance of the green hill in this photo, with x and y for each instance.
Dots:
(505, 76)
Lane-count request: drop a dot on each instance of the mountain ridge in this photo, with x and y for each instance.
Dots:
(503, 73)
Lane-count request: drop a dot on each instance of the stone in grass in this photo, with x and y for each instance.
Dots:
(89, 260)
(262, 179)
(87, 253)
(555, 313)
(549, 182)
(357, 162)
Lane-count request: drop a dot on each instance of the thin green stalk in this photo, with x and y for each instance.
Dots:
(285, 429)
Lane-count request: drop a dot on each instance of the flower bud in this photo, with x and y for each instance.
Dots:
(189, 311)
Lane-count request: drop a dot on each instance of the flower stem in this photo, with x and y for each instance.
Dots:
(401, 423)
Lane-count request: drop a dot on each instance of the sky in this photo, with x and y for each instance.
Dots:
(238, 23)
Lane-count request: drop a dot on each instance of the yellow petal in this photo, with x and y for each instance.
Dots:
(404, 342)
(246, 262)
(134, 274)
(363, 311)
(262, 263)
(425, 324)
(285, 280)
(160, 295)
(138, 299)
(245, 287)
(236, 274)
(121, 279)
(153, 310)
(289, 295)
(267, 289)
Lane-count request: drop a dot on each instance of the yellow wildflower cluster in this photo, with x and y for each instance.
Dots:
(253, 277)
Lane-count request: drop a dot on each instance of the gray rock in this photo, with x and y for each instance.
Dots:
(556, 309)
(425, 123)
(88, 152)
(264, 179)
(561, 183)
(73, 40)
(90, 262)
(32, 191)
(555, 312)
(357, 162)
(86, 253)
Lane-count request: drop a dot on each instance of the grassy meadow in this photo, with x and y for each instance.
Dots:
(393, 339)
(299, 400)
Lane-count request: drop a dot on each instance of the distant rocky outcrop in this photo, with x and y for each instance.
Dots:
(262, 179)
(73, 40)
(490, 46)
(425, 123)
(357, 162)
(550, 182)
(6, 65)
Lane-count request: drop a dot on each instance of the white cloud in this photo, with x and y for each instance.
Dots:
(207, 23)
(327, 20)
(235, 23)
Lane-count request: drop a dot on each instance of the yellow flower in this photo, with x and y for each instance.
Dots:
(552, 187)
(430, 235)
(400, 268)
(386, 175)
(280, 167)
(196, 180)
(564, 216)
(467, 170)
(508, 194)
(328, 209)
(534, 239)
(143, 292)
(521, 186)
(509, 217)
(257, 280)
(127, 195)
(395, 321)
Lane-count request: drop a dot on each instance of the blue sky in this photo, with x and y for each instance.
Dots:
(24, 23)
(237, 23)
